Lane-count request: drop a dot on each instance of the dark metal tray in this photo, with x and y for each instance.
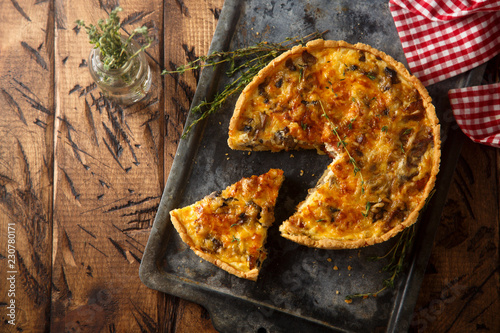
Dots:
(297, 288)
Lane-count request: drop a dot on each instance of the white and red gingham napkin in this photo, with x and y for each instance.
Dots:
(444, 38)
(477, 110)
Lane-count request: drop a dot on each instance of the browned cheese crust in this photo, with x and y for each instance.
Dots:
(229, 228)
(364, 110)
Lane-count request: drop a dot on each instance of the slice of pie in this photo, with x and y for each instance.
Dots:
(229, 228)
(363, 109)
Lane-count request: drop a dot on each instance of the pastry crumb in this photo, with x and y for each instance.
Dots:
(337, 292)
(335, 268)
(329, 259)
(348, 301)
(301, 172)
(291, 156)
(349, 267)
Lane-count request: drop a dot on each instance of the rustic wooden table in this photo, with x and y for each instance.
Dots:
(81, 180)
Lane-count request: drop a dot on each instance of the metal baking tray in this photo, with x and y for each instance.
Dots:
(298, 289)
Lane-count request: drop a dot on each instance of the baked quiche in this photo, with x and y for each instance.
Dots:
(363, 109)
(229, 228)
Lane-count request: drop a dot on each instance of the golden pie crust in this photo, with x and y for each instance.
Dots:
(367, 112)
(229, 228)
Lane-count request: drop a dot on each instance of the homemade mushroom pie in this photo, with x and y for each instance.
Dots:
(363, 109)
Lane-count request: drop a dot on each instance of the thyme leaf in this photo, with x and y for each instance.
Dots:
(371, 76)
(367, 209)
(301, 72)
(350, 123)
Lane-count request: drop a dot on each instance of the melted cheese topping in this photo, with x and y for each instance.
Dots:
(231, 225)
(357, 108)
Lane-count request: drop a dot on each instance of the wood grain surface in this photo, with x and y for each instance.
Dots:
(81, 179)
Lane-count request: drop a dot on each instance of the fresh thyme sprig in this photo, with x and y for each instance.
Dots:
(106, 37)
(396, 263)
(207, 108)
(252, 58)
(344, 145)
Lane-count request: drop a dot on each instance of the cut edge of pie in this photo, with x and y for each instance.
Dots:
(335, 244)
(254, 199)
(330, 243)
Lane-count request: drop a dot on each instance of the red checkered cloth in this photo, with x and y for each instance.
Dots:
(445, 38)
(477, 111)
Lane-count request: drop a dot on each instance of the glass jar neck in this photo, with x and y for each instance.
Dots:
(125, 68)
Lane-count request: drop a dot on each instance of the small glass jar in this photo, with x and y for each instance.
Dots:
(127, 84)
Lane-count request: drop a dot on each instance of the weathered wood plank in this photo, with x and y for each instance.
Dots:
(189, 27)
(193, 318)
(108, 182)
(460, 292)
(26, 136)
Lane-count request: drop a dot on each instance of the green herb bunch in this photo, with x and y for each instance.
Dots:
(246, 61)
(106, 37)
